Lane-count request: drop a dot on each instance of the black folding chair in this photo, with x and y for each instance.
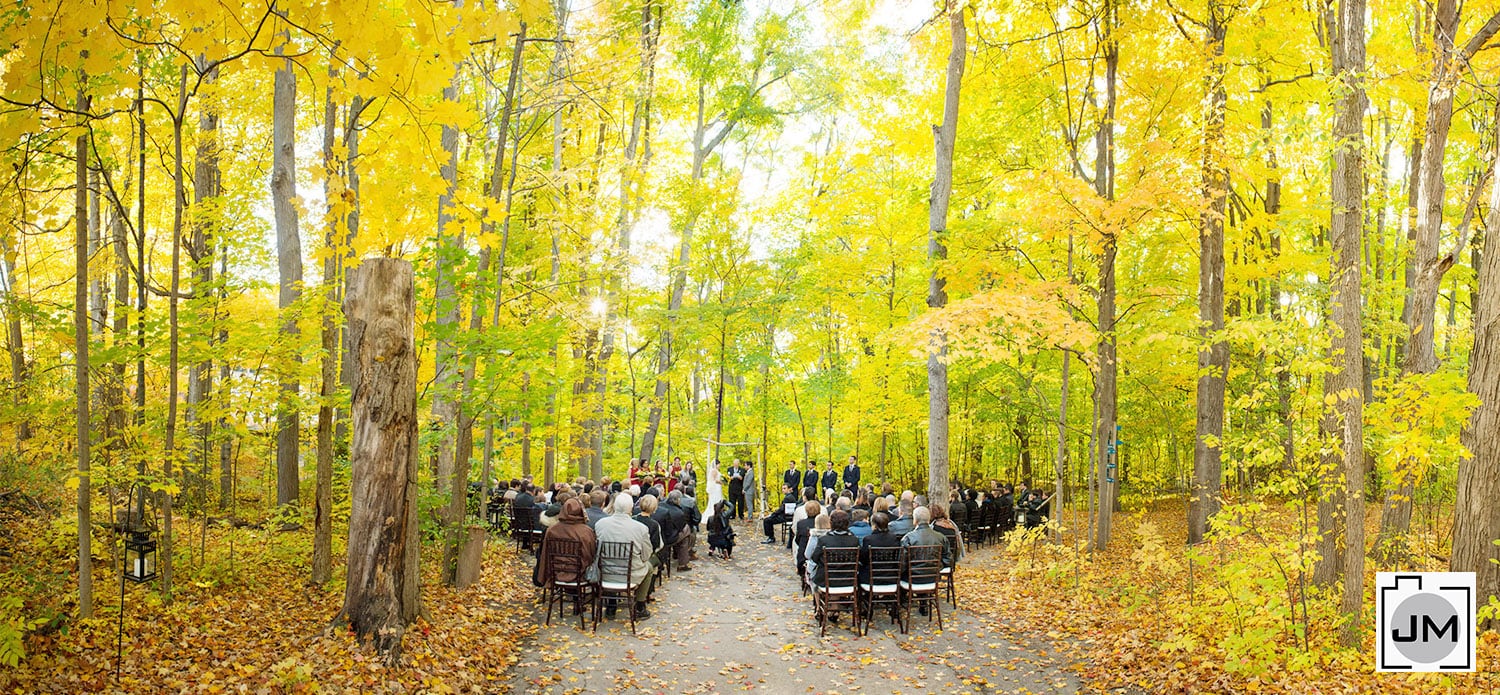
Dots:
(616, 562)
(919, 581)
(882, 586)
(565, 559)
(840, 574)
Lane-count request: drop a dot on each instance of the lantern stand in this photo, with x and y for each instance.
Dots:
(138, 564)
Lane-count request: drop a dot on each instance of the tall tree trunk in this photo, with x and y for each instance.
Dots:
(81, 392)
(449, 250)
(381, 591)
(328, 362)
(1105, 394)
(289, 266)
(1476, 523)
(1213, 349)
(206, 188)
(179, 203)
(1345, 232)
(511, 101)
(1426, 266)
(944, 137)
(16, 345)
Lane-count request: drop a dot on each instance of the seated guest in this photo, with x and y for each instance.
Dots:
(838, 536)
(863, 502)
(880, 537)
(525, 499)
(512, 490)
(922, 533)
(720, 533)
(778, 515)
(554, 510)
(955, 539)
(903, 523)
(804, 530)
(800, 513)
(860, 526)
(569, 527)
(595, 512)
(618, 527)
(957, 512)
(821, 526)
(645, 509)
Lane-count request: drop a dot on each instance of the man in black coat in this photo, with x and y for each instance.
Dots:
(830, 479)
(810, 476)
(792, 477)
(851, 475)
(736, 490)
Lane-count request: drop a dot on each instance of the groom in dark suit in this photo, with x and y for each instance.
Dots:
(810, 476)
(736, 490)
(851, 476)
(792, 478)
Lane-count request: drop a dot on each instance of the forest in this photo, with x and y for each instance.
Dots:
(1215, 272)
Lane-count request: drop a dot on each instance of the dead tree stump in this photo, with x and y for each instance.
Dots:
(471, 558)
(380, 595)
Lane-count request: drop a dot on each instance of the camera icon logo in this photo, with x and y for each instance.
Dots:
(1424, 621)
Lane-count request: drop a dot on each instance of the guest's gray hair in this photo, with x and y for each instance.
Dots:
(623, 504)
(674, 496)
(921, 516)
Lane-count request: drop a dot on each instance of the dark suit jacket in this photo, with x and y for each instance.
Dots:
(830, 480)
(792, 477)
(810, 478)
(851, 476)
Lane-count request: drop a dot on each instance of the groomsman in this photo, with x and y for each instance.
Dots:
(792, 478)
(810, 476)
(830, 479)
(851, 475)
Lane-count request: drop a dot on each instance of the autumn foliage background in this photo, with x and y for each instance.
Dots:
(673, 221)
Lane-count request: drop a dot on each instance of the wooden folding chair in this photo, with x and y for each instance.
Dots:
(919, 581)
(565, 559)
(840, 574)
(883, 585)
(616, 562)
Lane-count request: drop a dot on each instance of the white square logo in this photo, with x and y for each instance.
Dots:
(1424, 621)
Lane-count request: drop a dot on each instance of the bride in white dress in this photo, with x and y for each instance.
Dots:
(715, 486)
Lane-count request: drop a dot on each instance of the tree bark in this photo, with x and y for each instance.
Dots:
(1213, 349)
(289, 267)
(1476, 523)
(1105, 393)
(380, 590)
(1427, 266)
(81, 368)
(1346, 232)
(944, 137)
(206, 188)
(333, 262)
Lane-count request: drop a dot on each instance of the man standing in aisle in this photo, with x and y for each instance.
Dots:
(851, 476)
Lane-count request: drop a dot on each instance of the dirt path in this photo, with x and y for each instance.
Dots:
(743, 625)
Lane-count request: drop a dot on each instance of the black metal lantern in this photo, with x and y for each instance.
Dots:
(140, 557)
